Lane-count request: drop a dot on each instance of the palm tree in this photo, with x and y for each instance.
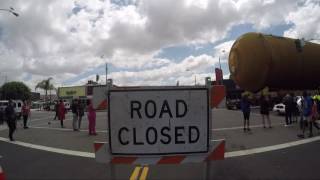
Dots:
(46, 85)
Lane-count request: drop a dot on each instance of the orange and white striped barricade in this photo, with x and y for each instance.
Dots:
(103, 155)
(2, 177)
(218, 96)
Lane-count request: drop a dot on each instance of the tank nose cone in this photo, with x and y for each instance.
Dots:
(248, 62)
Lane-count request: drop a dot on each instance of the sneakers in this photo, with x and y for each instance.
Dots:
(300, 135)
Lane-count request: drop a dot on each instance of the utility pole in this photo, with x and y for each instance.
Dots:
(106, 73)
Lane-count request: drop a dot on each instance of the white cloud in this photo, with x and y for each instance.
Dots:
(305, 21)
(184, 72)
(63, 39)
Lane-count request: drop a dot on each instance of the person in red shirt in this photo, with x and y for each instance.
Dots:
(25, 113)
(314, 117)
(61, 113)
(91, 118)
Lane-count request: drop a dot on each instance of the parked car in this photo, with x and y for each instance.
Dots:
(279, 108)
(3, 105)
(233, 104)
(17, 104)
(18, 107)
(66, 105)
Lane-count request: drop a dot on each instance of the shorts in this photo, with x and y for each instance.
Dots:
(246, 115)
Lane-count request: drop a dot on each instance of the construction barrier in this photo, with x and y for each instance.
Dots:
(103, 155)
(2, 177)
(218, 96)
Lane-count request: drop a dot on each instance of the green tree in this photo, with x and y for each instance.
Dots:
(46, 86)
(15, 90)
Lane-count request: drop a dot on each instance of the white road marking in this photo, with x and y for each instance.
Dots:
(50, 149)
(270, 148)
(104, 131)
(53, 122)
(241, 127)
(65, 129)
(227, 154)
(38, 119)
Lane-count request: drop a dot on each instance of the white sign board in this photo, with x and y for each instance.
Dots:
(158, 121)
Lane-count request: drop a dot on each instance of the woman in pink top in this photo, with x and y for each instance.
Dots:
(61, 113)
(314, 117)
(25, 113)
(91, 118)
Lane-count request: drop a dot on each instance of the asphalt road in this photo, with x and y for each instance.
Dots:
(296, 162)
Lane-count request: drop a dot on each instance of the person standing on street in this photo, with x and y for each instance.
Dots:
(264, 110)
(307, 110)
(61, 113)
(80, 113)
(314, 117)
(56, 108)
(25, 113)
(245, 107)
(91, 118)
(75, 113)
(11, 119)
(288, 102)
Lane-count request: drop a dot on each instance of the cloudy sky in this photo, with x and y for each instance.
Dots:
(144, 42)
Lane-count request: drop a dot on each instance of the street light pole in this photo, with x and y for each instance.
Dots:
(223, 51)
(106, 73)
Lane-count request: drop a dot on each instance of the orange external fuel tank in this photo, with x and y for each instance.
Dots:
(257, 61)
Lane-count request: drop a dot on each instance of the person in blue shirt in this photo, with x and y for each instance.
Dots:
(245, 108)
(306, 111)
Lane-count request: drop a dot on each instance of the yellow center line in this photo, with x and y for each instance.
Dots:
(135, 173)
(144, 173)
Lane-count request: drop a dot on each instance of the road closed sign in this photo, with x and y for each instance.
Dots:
(158, 121)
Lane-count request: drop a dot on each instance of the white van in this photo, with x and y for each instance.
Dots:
(3, 105)
(17, 104)
(66, 104)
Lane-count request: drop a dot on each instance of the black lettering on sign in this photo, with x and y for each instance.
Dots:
(135, 106)
(135, 138)
(165, 109)
(119, 136)
(178, 134)
(165, 134)
(178, 105)
(153, 106)
(195, 130)
(148, 135)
